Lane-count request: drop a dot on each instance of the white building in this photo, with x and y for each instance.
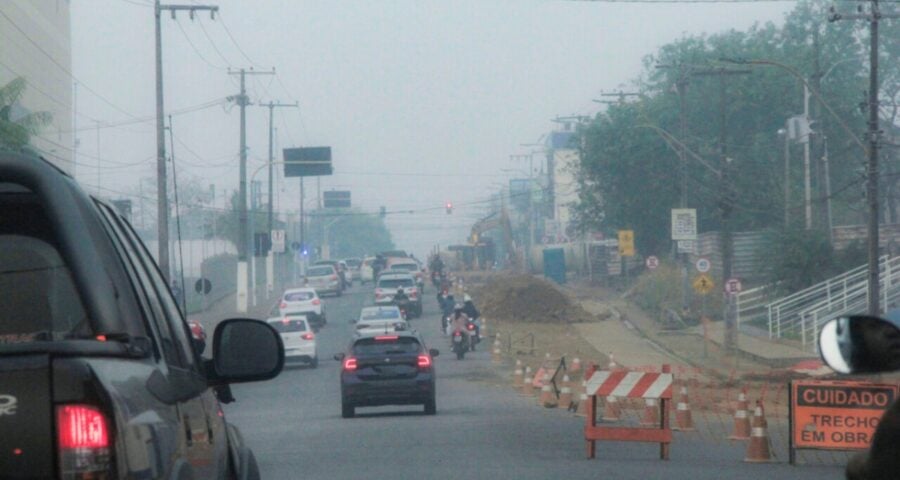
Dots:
(35, 43)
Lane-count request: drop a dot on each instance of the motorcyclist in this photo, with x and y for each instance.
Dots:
(472, 312)
(459, 321)
(447, 311)
(401, 299)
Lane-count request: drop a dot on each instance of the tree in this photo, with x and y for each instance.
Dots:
(351, 232)
(17, 126)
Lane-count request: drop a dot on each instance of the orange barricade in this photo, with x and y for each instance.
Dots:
(624, 384)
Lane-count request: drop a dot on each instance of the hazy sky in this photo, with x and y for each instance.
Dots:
(422, 102)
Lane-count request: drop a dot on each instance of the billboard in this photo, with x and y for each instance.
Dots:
(307, 161)
(336, 199)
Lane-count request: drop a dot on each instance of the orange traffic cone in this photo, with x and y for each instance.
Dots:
(758, 448)
(575, 367)
(612, 411)
(527, 389)
(741, 420)
(651, 412)
(581, 410)
(548, 397)
(683, 419)
(565, 397)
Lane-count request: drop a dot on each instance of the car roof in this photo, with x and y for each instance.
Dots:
(402, 333)
(379, 308)
(394, 275)
(320, 265)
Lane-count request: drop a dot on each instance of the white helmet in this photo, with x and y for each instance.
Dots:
(467, 298)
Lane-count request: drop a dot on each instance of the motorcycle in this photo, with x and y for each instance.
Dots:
(460, 345)
(474, 336)
(403, 305)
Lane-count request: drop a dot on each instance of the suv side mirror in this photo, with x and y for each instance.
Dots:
(860, 344)
(245, 350)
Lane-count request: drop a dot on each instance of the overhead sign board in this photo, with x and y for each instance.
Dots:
(703, 284)
(626, 243)
(836, 415)
(336, 199)
(684, 224)
(307, 161)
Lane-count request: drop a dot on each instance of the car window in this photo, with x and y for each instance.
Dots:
(395, 282)
(386, 345)
(408, 267)
(320, 271)
(380, 314)
(298, 296)
(288, 325)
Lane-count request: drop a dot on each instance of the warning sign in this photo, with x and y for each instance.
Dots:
(837, 415)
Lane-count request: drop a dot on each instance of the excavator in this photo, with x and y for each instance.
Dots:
(499, 220)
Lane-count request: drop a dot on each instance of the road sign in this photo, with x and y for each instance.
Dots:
(733, 286)
(684, 224)
(836, 415)
(307, 162)
(703, 264)
(626, 243)
(652, 262)
(336, 199)
(687, 246)
(203, 285)
(703, 284)
(278, 241)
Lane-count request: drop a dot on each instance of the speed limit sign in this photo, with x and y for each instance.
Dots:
(703, 265)
(652, 262)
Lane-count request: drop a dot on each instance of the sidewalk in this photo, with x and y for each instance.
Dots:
(771, 353)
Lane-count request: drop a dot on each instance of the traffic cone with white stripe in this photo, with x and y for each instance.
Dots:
(651, 412)
(496, 354)
(575, 367)
(612, 411)
(758, 448)
(683, 419)
(565, 397)
(518, 374)
(527, 380)
(548, 396)
(741, 419)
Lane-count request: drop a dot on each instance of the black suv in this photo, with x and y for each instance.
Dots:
(390, 369)
(99, 376)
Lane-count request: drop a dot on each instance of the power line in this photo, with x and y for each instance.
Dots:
(213, 43)
(236, 44)
(194, 47)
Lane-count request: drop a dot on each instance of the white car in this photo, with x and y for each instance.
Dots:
(366, 272)
(303, 300)
(380, 319)
(387, 286)
(298, 337)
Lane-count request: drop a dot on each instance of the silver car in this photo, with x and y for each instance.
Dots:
(324, 279)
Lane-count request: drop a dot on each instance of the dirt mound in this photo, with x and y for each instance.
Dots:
(524, 298)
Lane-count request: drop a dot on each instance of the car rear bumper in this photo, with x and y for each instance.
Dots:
(388, 392)
(302, 352)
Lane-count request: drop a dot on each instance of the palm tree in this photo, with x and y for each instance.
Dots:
(15, 133)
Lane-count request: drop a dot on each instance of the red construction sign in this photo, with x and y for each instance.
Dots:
(619, 383)
(837, 415)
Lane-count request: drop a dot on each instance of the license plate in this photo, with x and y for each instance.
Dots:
(457, 339)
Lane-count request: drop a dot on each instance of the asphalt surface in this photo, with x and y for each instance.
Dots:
(483, 429)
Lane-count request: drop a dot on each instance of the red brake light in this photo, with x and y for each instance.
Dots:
(285, 321)
(471, 327)
(307, 336)
(316, 301)
(382, 338)
(424, 361)
(283, 304)
(349, 364)
(81, 426)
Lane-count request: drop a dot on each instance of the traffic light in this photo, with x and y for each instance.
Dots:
(449, 208)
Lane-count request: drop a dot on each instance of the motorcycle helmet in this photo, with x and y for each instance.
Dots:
(467, 298)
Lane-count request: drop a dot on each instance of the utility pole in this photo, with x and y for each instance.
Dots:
(244, 254)
(270, 259)
(162, 200)
(726, 198)
(873, 18)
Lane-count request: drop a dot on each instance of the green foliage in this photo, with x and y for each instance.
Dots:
(352, 233)
(796, 258)
(16, 133)
(629, 176)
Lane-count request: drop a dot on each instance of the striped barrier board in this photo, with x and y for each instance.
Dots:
(626, 384)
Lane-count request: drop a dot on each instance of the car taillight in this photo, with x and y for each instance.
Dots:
(386, 338)
(316, 301)
(471, 326)
(334, 277)
(307, 336)
(350, 364)
(424, 361)
(283, 305)
(84, 443)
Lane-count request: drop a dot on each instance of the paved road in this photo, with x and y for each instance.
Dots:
(482, 429)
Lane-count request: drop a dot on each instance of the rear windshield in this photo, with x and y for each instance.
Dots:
(289, 325)
(319, 271)
(298, 296)
(408, 267)
(38, 298)
(386, 326)
(375, 346)
(380, 314)
(395, 282)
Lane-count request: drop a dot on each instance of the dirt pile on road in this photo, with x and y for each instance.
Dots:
(523, 298)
